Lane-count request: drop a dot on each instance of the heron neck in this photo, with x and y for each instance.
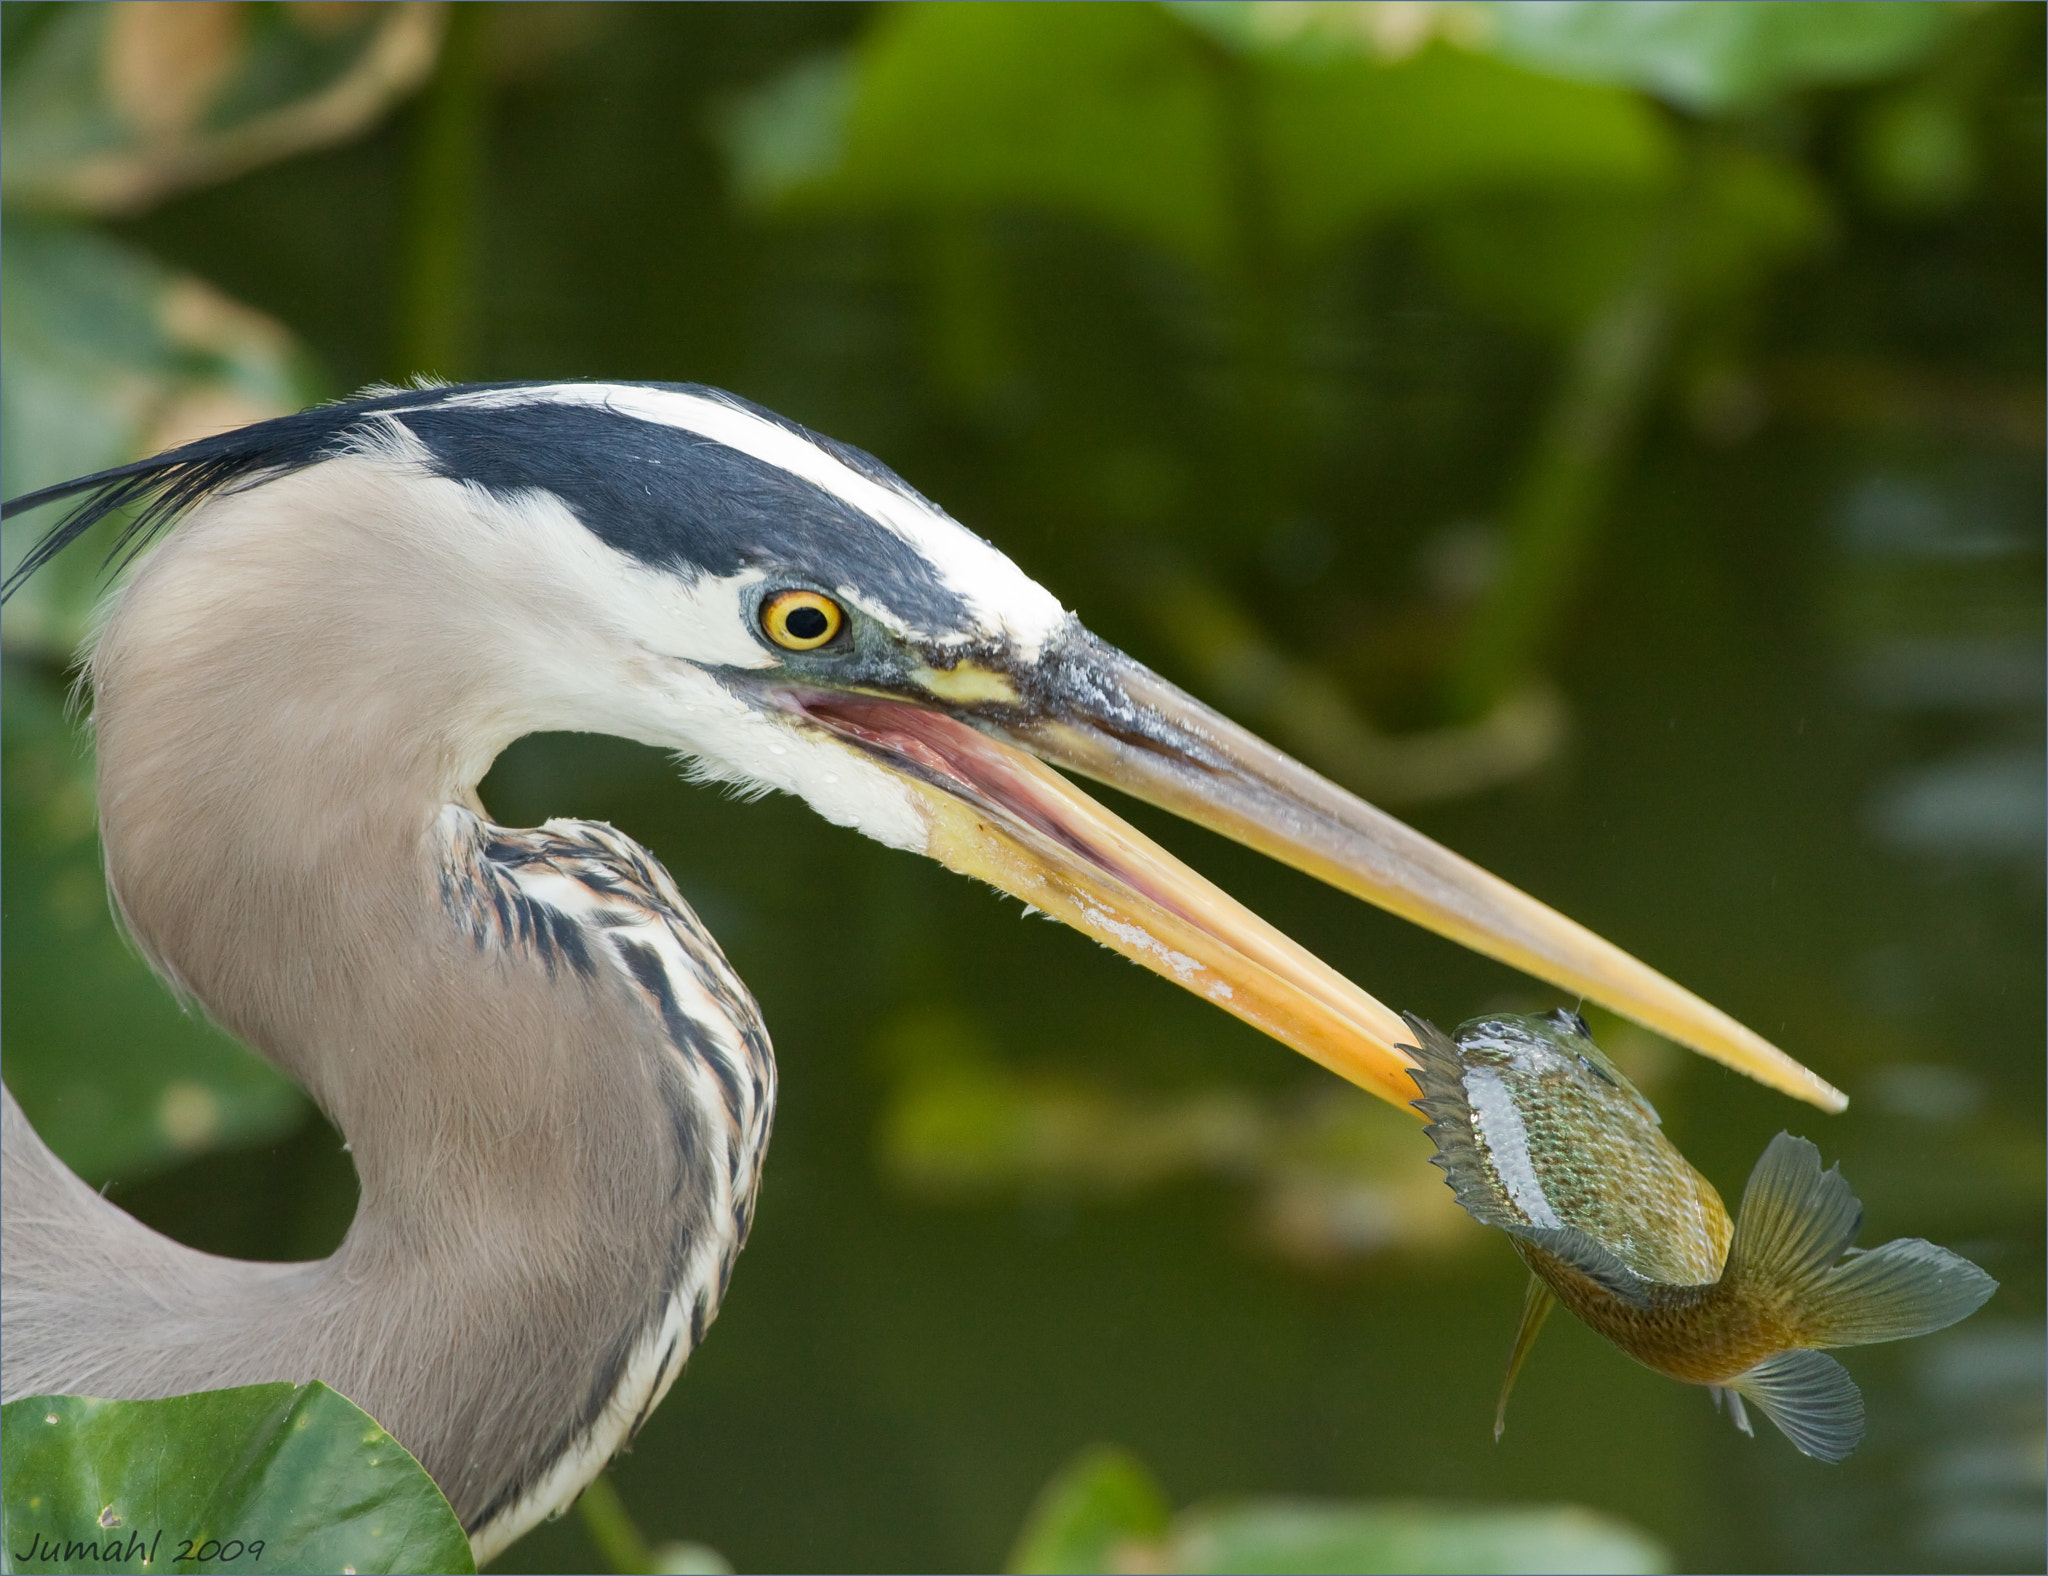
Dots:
(288, 694)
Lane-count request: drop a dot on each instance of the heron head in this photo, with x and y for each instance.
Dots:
(787, 614)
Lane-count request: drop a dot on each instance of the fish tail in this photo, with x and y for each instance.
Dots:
(1809, 1396)
(1796, 1223)
(1907, 1287)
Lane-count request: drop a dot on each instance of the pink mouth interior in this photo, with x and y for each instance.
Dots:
(956, 752)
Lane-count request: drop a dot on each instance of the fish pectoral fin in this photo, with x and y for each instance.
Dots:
(1591, 1258)
(1536, 1306)
(1737, 1413)
(1811, 1398)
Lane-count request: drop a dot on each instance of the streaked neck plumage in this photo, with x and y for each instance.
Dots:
(290, 724)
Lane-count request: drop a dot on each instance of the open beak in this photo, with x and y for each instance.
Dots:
(998, 814)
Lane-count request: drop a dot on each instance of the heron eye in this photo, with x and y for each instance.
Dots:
(801, 620)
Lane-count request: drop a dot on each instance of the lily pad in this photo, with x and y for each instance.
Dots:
(1277, 1537)
(1104, 1512)
(268, 1477)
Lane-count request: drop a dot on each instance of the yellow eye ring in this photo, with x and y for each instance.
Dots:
(801, 620)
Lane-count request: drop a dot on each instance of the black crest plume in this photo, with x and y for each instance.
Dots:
(164, 486)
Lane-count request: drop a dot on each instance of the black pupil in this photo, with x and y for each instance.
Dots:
(807, 623)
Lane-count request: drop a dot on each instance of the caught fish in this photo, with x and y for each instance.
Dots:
(1542, 1136)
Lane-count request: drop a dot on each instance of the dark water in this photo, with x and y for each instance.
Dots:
(1800, 662)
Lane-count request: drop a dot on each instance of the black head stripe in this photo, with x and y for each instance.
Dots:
(662, 495)
(676, 500)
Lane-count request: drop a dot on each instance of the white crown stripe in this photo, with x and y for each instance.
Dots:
(978, 572)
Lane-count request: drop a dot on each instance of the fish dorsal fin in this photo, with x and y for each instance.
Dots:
(1811, 1398)
(1440, 1076)
(1536, 1305)
(1796, 1220)
(1796, 1223)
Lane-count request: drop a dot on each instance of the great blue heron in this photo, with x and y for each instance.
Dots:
(556, 1091)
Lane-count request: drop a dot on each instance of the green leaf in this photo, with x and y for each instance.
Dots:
(1279, 1537)
(1125, 116)
(115, 1076)
(1098, 110)
(1357, 140)
(1098, 1505)
(267, 1477)
(1711, 56)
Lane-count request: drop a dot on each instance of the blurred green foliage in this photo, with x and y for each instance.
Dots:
(1253, 140)
(626, 1549)
(1122, 114)
(1715, 58)
(1331, 1171)
(1100, 1502)
(1612, 430)
(110, 355)
(111, 108)
(119, 1078)
(107, 354)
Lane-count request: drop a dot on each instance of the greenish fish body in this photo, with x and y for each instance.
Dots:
(1542, 1136)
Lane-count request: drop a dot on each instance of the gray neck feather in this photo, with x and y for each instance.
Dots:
(289, 691)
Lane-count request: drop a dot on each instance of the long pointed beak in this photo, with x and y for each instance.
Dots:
(998, 814)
